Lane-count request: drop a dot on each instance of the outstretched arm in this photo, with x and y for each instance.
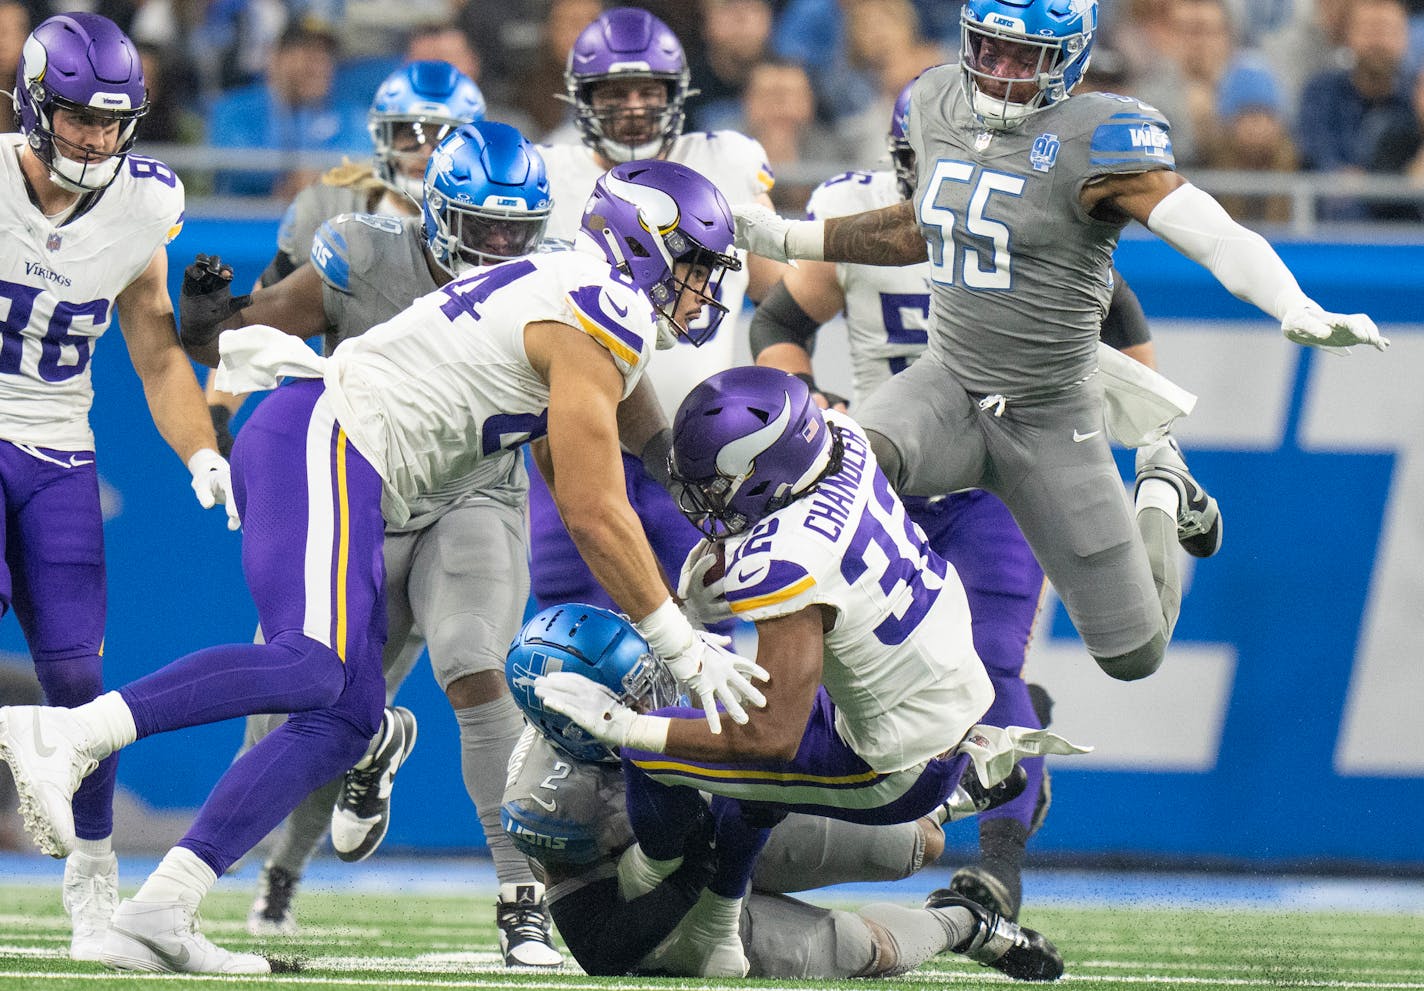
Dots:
(783, 329)
(889, 236)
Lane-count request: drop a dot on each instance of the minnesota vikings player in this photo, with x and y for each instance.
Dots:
(413, 109)
(420, 409)
(627, 78)
(873, 713)
(887, 318)
(486, 201)
(1021, 192)
(565, 807)
(86, 223)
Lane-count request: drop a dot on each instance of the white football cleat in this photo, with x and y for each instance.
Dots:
(524, 929)
(49, 755)
(163, 937)
(91, 893)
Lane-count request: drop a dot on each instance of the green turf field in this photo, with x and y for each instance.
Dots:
(372, 941)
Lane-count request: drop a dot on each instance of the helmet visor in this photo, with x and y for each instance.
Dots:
(482, 236)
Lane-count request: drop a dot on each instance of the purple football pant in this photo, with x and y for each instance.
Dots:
(557, 571)
(311, 554)
(52, 530)
(975, 532)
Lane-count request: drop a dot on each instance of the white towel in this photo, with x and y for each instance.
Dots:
(255, 358)
(1141, 404)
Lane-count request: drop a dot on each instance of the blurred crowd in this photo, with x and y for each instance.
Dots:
(1258, 85)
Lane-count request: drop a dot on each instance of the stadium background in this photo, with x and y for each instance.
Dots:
(1285, 729)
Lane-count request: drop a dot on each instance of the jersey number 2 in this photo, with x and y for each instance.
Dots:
(991, 239)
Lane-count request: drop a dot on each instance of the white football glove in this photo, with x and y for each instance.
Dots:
(1306, 323)
(704, 604)
(591, 705)
(212, 483)
(994, 750)
(765, 232)
(701, 663)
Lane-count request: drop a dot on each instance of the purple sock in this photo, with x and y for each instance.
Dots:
(739, 843)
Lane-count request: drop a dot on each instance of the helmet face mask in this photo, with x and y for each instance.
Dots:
(902, 154)
(79, 93)
(746, 443)
(628, 80)
(415, 108)
(669, 231)
(486, 197)
(599, 645)
(1020, 57)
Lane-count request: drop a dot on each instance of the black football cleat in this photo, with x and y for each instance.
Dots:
(1023, 954)
(1198, 516)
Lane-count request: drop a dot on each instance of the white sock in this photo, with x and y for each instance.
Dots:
(1155, 493)
(180, 877)
(638, 873)
(95, 849)
(716, 915)
(108, 722)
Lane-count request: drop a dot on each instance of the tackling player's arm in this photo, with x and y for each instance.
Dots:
(1194, 223)
(784, 326)
(764, 273)
(587, 480)
(174, 399)
(888, 236)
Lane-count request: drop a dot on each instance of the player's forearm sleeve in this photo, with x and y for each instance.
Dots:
(1194, 223)
(779, 319)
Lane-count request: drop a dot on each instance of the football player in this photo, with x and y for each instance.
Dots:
(423, 408)
(887, 318)
(1022, 190)
(86, 224)
(565, 807)
(627, 79)
(486, 201)
(806, 540)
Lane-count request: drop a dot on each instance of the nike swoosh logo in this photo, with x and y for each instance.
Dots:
(546, 806)
(622, 311)
(177, 961)
(40, 747)
(74, 461)
(1079, 438)
(748, 575)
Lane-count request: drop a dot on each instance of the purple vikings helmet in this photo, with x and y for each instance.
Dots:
(486, 197)
(745, 443)
(902, 156)
(412, 110)
(82, 64)
(624, 43)
(598, 644)
(645, 217)
(1055, 40)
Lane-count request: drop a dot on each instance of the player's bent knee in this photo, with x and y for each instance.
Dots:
(887, 455)
(1138, 663)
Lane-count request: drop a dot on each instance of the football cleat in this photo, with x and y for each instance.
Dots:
(970, 797)
(271, 913)
(1000, 891)
(1198, 516)
(525, 937)
(163, 937)
(1023, 954)
(362, 813)
(91, 893)
(49, 755)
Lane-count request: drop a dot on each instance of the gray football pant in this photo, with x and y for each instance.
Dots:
(463, 581)
(1048, 459)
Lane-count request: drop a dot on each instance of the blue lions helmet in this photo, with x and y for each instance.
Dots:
(902, 153)
(598, 644)
(486, 197)
(412, 110)
(1019, 57)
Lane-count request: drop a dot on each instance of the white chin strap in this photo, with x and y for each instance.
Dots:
(79, 177)
(999, 114)
(618, 152)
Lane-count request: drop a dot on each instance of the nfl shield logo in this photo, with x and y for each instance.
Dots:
(1044, 152)
(54, 240)
(982, 139)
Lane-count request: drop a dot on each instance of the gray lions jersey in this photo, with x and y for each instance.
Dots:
(1020, 273)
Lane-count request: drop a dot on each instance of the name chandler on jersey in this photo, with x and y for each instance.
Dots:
(834, 498)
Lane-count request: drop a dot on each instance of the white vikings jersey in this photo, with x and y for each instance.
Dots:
(900, 663)
(887, 309)
(58, 285)
(736, 165)
(434, 397)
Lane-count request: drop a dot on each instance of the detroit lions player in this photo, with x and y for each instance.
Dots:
(85, 228)
(565, 807)
(413, 108)
(873, 713)
(886, 318)
(411, 414)
(627, 78)
(486, 201)
(1021, 192)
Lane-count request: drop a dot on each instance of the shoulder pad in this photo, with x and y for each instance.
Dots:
(160, 191)
(1134, 137)
(331, 255)
(548, 837)
(759, 577)
(376, 221)
(610, 314)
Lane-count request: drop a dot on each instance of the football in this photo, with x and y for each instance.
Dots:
(719, 567)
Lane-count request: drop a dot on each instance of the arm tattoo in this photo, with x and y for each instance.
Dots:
(888, 236)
